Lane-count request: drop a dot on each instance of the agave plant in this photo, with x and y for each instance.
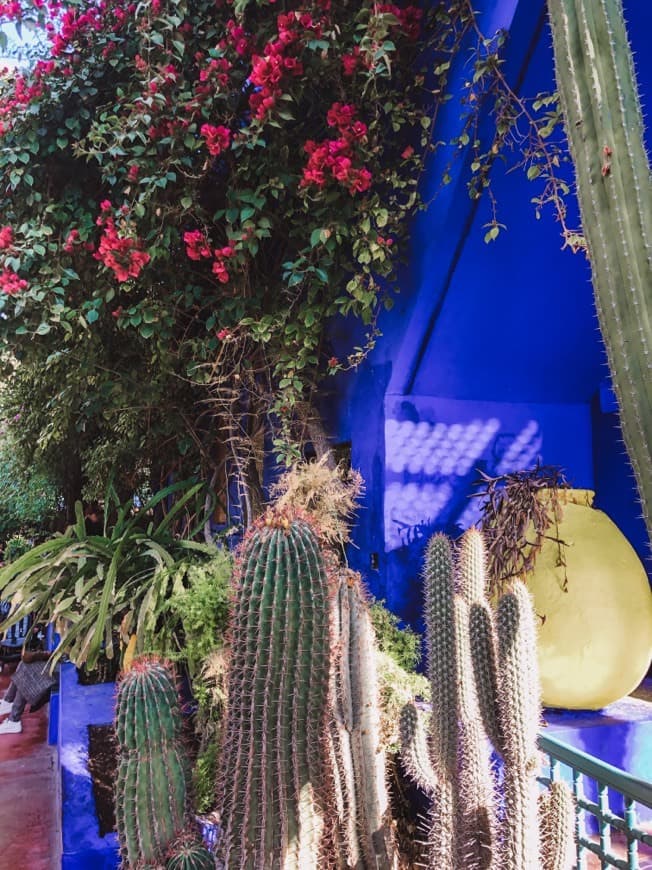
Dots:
(91, 584)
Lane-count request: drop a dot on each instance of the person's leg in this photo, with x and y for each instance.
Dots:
(18, 706)
(12, 724)
(8, 700)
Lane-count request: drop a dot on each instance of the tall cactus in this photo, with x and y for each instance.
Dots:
(362, 796)
(151, 782)
(275, 794)
(484, 686)
(442, 672)
(604, 124)
(519, 706)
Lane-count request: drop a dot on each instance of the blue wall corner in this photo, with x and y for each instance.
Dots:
(79, 707)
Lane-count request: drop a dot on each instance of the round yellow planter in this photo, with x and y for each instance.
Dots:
(595, 635)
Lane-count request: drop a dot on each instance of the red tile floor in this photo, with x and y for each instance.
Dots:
(29, 816)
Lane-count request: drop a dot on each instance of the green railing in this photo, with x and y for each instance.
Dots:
(609, 795)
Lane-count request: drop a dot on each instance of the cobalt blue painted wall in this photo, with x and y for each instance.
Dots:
(81, 706)
(490, 358)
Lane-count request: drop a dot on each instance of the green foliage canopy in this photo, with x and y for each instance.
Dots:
(191, 190)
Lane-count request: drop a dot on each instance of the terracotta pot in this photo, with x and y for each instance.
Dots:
(595, 635)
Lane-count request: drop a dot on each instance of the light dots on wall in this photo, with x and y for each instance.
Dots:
(432, 449)
(425, 462)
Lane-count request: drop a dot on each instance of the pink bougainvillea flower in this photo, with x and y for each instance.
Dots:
(217, 138)
(6, 238)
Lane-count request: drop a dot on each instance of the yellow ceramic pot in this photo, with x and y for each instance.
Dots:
(595, 635)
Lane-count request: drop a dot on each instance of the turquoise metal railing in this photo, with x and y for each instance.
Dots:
(605, 795)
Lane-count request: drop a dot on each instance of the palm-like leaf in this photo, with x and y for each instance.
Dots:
(88, 584)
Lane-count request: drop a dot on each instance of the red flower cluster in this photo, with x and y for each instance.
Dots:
(335, 158)
(280, 58)
(196, 245)
(6, 238)
(238, 38)
(217, 139)
(409, 18)
(120, 253)
(72, 25)
(351, 62)
(219, 269)
(11, 10)
(198, 248)
(10, 283)
(71, 241)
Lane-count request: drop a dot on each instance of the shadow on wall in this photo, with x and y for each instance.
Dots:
(435, 450)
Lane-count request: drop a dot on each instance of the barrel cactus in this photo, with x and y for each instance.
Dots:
(483, 673)
(604, 125)
(189, 853)
(151, 781)
(275, 793)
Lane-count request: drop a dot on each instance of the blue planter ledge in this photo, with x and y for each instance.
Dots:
(79, 707)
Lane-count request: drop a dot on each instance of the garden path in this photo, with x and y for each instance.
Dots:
(29, 816)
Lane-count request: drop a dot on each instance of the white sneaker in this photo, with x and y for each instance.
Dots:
(11, 727)
(5, 707)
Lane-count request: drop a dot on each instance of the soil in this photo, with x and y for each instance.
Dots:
(102, 763)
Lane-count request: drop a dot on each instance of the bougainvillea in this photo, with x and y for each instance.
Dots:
(216, 179)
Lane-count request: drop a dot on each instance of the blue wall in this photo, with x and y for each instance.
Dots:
(490, 359)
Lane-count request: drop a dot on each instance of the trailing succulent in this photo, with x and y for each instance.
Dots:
(152, 806)
(484, 682)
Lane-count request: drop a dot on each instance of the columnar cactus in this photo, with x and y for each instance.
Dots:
(275, 795)
(484, 679)
(519, 711)
(151, 781)
(362, 797)
(557, 812)
(441, 640)
(604, 124)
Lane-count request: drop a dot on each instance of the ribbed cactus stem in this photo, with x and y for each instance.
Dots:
(415, 753)
(604, 124)
(472, 567)
(476, 833)
(519, 711)
(151, 780)
(557, 823)
(442, 672)
(274, 792)
(363, 799)
(472, 585)
(483, 660)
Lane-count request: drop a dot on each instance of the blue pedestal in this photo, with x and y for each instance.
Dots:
(79, 707)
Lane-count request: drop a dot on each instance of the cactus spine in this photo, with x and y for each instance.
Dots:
(358, 762)
(151, 781)
(274, 789)
(604, 124)
(484, 682)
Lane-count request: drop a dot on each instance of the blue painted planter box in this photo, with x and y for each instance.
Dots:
(79, 707)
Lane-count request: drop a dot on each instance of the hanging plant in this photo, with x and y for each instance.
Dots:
(521, 511)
